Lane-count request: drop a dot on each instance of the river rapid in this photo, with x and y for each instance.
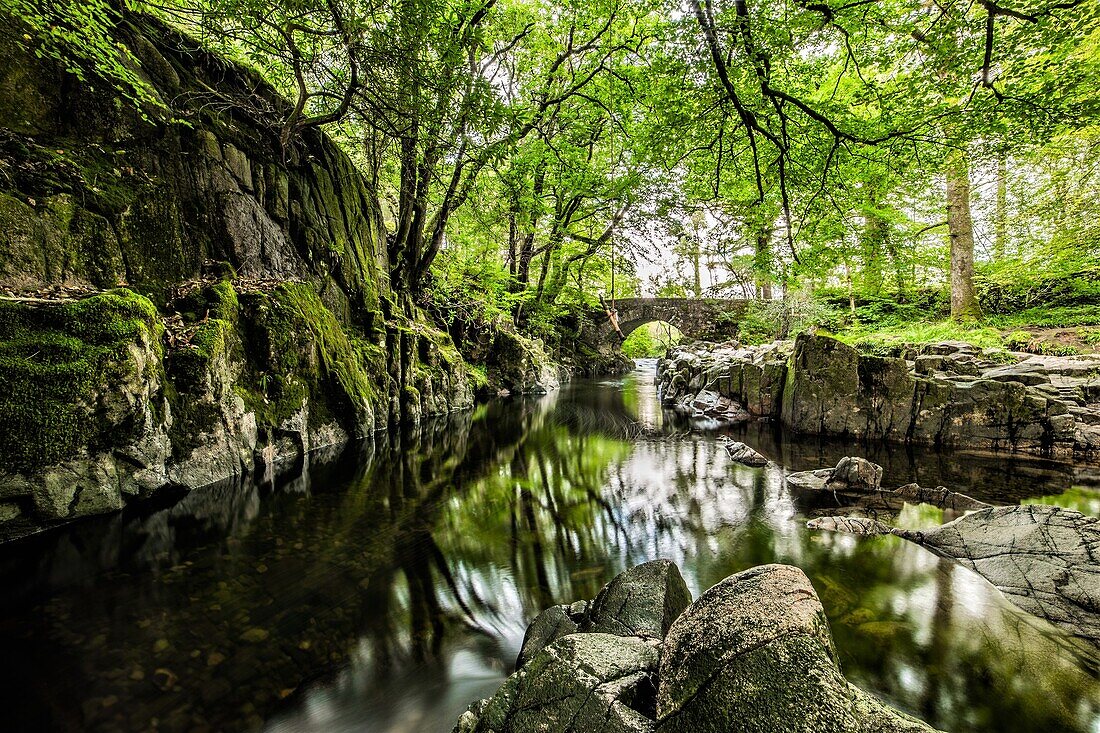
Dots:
(383, 587)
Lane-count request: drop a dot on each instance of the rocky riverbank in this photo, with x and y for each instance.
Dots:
(946, 394)
(181, 299)
(753, 653)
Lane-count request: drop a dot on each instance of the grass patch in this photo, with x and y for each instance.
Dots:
(1048, 317)
(892, 338)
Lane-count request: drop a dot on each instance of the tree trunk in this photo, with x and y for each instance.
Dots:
(1000, 223)
(762, 264)
(874, 242)
(697, 280)
(964, 304)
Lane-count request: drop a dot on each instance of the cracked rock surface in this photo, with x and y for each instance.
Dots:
(754, 653)
(581, 682)
(1045, 559)
(643, 601)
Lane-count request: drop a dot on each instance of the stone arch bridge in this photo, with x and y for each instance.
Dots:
(695, 317)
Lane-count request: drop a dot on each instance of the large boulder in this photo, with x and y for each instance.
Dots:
(643, 601)
(582, 682)
(754, 654)
(820, 394)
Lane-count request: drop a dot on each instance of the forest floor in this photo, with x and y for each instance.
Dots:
(1059, 331)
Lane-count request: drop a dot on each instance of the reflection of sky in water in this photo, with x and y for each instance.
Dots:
(399, 591)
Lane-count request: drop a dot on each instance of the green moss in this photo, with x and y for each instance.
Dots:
(298, 349)
(188, 366)
(222, 301)
(55, 359)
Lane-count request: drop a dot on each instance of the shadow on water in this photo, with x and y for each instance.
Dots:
(383, 587)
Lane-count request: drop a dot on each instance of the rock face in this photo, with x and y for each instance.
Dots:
(256, 322)
(520, 365)
(1045, 559)
(753, 653)
(948, 394)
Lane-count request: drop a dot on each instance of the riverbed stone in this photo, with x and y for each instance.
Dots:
(745, 454)
(855, 474)
(582, 682)
(754, 653)
(643, 601)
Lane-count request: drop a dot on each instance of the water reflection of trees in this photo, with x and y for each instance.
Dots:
(402, 577)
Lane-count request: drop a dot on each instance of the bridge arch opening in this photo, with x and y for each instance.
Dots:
(649, 339)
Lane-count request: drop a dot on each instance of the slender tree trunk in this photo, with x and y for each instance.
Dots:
(1000, 223)
(874, 244)
(697, 281)
(513, 237)
(964, 304)
(762, 264)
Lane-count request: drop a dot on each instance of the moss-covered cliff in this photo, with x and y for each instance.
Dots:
(182, 297)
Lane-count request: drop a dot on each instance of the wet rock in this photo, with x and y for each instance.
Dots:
(855, 474)
(809, 482)
(583, 682)
(754, 653)
(549, 626)
(939, 497)
(1045, 559)
(745, 454)
(643, 601)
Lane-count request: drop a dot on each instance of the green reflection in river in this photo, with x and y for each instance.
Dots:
(384, 593)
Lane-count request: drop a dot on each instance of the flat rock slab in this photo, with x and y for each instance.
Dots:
(1045, 559)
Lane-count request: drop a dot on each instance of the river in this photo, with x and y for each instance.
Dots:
(381, 588)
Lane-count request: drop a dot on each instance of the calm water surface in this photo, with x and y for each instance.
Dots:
(383, 588)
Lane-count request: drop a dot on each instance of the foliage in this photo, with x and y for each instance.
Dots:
(651, 340)
(768, 320)
(531, 156)
(78, 36)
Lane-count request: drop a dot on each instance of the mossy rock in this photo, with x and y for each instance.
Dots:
(59, 365)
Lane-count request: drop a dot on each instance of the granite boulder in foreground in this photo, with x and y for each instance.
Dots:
(1045, 559)
(754, 653)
